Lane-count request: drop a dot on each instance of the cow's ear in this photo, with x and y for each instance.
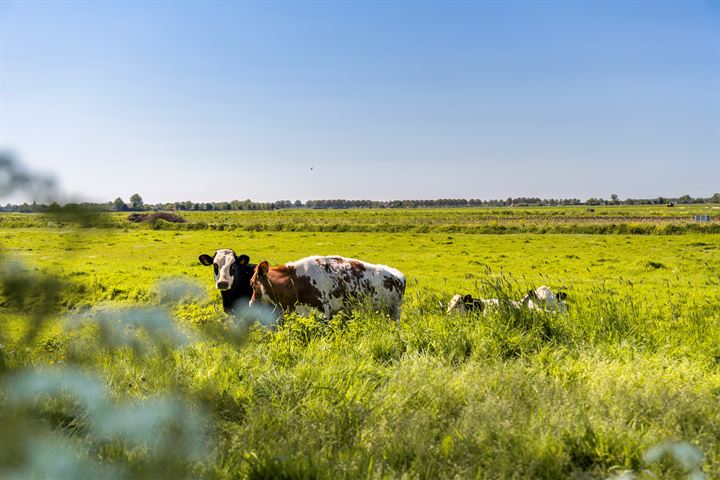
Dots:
(243, 259)
(561, 296)
(467, 298)
(532, 294)
(263, 268)
(206, 259)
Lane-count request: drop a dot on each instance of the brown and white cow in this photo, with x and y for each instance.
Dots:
(329, 284)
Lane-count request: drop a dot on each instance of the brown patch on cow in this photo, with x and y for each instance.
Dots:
(357, 270)
(286, 289)
(357, 265)
(327, 266)
(340, 290)
(350, 279)
(369, 288)
(392, 283)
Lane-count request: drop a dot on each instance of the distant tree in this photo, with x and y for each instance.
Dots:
(685, 199)
(120, 205)
(715, 198)
(614, 198)
(136, 201)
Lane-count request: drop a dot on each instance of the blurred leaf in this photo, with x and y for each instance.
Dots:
(28, 387)
(57, 457)
(139, 329)
(159, 423)
(173, 291)
(687, 456)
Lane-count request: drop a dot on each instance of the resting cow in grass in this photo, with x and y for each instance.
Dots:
(232, 277)
(539, 299)
(329, 284)
(466, 303)
(542, 298)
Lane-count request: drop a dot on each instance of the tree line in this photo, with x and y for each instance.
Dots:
(136, 204)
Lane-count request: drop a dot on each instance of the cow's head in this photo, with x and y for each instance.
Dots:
(456, 304)
(225, 264)
(530, 296)
(260, 283)
(562, 307)
(464, 303)
(544, 297)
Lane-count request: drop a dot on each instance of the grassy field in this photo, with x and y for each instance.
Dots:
(646, 219)
(633, 369)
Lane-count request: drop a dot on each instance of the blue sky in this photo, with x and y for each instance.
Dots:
(210, 101)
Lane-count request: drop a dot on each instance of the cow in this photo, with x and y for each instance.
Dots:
(541, 298)
(330, 284)
(232, 277)
(466, 303)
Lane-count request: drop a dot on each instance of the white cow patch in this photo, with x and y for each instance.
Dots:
(222, 265)
(546, 300)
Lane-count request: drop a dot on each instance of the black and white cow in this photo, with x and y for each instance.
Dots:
(329, 284)
(467, 303)
(541, 298)
(232, 277)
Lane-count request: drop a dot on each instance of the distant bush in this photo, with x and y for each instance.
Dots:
(654, 265)
(153, 217)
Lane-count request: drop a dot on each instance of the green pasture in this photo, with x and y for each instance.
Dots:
(514, 394)
(129, 262)
(646, 219)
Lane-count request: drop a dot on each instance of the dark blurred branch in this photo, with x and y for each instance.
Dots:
(14, 178)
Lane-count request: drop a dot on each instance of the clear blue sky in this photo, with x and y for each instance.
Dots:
(210, 101)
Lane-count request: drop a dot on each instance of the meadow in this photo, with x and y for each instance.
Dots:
(611, 219)
(626, 385)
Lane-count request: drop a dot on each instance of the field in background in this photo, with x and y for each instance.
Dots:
(591, 220)
(510, 395)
